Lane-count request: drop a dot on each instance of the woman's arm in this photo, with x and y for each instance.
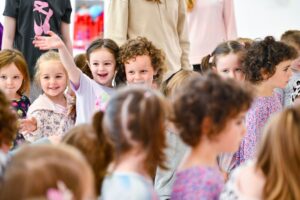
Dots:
(8, 32)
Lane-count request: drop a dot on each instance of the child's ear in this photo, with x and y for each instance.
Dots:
(214, 69)
(265, 74)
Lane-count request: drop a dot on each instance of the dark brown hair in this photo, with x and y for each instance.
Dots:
(210, 97)
(137, 114)
(93, 144)
(138, 47)
(263, 57)
(222, 49)
(9, 56)
(81, 62)
(8, 121)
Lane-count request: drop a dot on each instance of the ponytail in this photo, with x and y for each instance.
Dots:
(205, 64)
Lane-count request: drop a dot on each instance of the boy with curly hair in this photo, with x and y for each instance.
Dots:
(142, 63)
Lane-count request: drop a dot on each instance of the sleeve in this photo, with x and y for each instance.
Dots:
(229, 20)
(11, 8)
(116, 23)
(67, 12)
(183, 35)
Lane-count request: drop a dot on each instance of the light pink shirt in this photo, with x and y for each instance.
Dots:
(210, 23)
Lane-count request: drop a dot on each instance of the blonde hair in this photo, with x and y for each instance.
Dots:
(279, 155)
(8, 56)
(33, 170)
(176, 80)
(190, 4)
(48, 56)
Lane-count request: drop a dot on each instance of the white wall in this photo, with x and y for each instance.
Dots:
(256, 18)
(259, 18)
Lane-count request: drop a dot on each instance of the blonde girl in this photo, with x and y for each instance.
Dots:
(15, 83)
(91, 94)
(51, 111)
(275, 173)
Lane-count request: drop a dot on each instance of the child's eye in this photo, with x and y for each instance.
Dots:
(46, 77)
(107, 63)
(58, 76)
(3, 77)
(144, 71)
(16, 77)
(286, 69)
(95, 64)
(225, 70)
(130, 72)
(238, 69)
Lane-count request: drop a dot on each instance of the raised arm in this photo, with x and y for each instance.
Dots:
(9, 32)
(53, 41)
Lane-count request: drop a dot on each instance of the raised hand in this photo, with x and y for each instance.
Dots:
(52, 41)
(28, 125)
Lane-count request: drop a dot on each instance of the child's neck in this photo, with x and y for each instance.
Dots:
(132, 162)
(59, 99)
(204, 154)
(264, 89)
(14, 96)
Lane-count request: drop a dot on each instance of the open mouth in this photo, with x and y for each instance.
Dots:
(102, 75)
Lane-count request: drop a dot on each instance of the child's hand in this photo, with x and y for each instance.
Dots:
(28, 125)
(52, 41)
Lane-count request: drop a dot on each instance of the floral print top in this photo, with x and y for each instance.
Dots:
(256, 118)
(21, 107)
(200, 182)
(52, 119)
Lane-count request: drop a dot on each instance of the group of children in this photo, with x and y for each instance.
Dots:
(189, 141)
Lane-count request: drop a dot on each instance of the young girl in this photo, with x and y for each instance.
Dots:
(51, 110)
(134, 121)
(266, 66)
(176, 149)
(142, 63)
(48, 172)
(209, 115)
(15, 83)
(92, 143)
(226, 60)
(275, 173)
(91, 94)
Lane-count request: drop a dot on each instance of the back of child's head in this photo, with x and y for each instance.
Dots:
(81, 62)
(37, 171)
(246, 42)
(8, 122)
(223, 49)
(170, 86)
(263, 56)
(279, 155)
(9, 56)
(45, 57)
(92, 143)
(141, 46)
(292, 38)
(135, 118)
(208, 97)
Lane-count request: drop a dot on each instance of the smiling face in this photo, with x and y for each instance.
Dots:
(11, 80)
(102, 65)
(229, 66)
(53, 78)
(139, 70)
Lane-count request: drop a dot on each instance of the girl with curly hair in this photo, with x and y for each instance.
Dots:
(209, 115)
(267, 66)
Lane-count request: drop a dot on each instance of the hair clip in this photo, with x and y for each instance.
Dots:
(59, 193)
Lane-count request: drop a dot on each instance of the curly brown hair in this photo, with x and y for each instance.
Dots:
(263, 57)
(8, 121)
(138, 47)
(208, 97)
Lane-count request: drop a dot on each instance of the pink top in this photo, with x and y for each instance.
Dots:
(210, 23)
